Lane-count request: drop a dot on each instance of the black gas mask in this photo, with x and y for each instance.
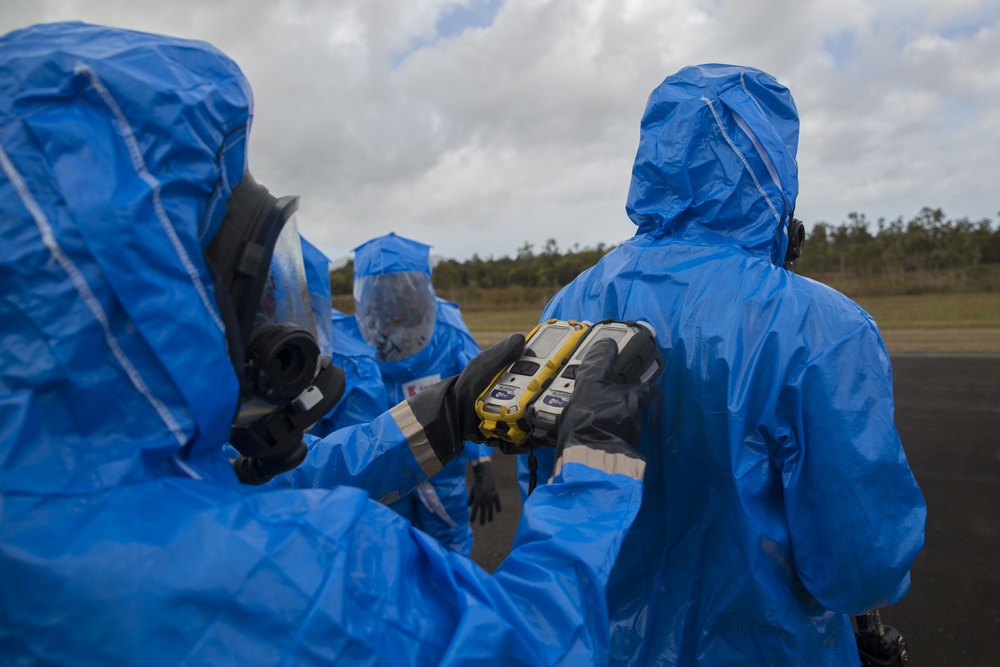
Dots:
(796, 239)
(285, 384)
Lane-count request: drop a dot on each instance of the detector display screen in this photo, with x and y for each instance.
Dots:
(614, 334)
(543, 345)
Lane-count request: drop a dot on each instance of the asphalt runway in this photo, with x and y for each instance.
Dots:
(948, 416)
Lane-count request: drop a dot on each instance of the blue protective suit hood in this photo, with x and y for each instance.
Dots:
(317, 266)
(118, 152)
(391, 254)
(394, 297)
(717, 144)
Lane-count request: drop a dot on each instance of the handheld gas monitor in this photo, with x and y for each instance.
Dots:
(501, 408)
(638, 360)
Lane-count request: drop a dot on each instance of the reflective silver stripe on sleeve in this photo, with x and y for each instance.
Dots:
(416, 438)
(617, 463)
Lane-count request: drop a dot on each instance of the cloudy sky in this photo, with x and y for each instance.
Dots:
(478, 125)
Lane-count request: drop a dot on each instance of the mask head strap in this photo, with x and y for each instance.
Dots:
(254, 219)
(796, 239)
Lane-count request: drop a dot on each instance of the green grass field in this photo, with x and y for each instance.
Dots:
(938, 323)
(918, 323)
(935, 311)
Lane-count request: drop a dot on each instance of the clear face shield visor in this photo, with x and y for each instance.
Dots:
(283, 320)
(396, 313)
(285, 299)
(271, 334)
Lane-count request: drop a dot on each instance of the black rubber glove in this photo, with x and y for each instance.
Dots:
(447, 411)
(603, 415)
(483, 495)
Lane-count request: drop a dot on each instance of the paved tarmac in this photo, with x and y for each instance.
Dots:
(948, 416)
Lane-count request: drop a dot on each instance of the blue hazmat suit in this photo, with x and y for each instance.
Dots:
(364, 396)
(779, 498)
(443, 346)
(317, 270)
(125, 537)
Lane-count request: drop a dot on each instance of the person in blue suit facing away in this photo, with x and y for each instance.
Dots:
(154, 308)
(781, 500)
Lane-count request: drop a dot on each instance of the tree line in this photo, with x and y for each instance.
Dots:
(928, 242)
(549, 267)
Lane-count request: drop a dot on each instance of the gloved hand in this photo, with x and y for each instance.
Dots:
(447, 411)
(483, 495)
(602, 415)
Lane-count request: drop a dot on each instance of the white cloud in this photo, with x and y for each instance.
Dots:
(525, 129)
